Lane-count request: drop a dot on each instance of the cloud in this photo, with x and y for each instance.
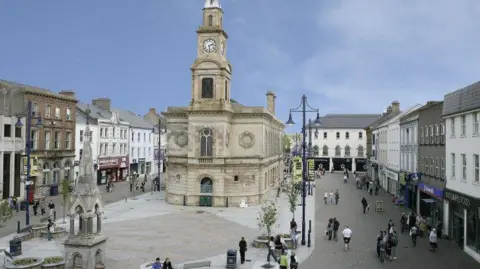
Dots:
(411, 51)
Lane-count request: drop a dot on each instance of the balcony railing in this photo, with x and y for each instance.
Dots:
(205, 161)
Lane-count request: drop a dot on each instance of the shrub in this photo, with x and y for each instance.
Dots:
(25, 261)
(50, 260)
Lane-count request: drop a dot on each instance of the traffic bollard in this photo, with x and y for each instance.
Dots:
(18, 227)
(54, 215)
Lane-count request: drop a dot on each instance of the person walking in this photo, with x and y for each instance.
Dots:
(242, 245)
(157, 264)
(364, 205)
(414, 234)
(337, 196)
(336, 225)
(167, 264)
(283, 260)
(331, 196)
(325, 197)
(394, 236)
(271, 250)
(433, 240)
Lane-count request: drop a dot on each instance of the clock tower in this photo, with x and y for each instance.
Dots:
(211, 71)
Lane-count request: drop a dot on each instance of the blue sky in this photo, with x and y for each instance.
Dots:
(348, 56)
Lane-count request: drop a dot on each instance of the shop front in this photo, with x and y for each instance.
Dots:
(322, 163)
(360, 164)
(382, 177)
(463, 221)
(408, 189)
(392, 179)
(142, 166)
(339, 164)
(431, 203)
(112, 169)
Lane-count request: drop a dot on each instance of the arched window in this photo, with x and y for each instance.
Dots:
(315, 150)
(210, 20)
(206, 185)
(347, 151)
(48, 111)
(34, 109)
(360, 151)
(325, 150)
(207, 87)
(338, 151)
(206, 143)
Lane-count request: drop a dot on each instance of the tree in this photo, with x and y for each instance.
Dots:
(6, 212)
(65, 185)
(267, 217)
(287, 143)
(293, 195)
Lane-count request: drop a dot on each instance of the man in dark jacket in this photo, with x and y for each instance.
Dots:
(336, 225)
(242, 245)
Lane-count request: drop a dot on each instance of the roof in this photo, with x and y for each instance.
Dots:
(347, 121)
(134, 119)
(96, 112)
(398, 116)
(463, 100)
(32, 89)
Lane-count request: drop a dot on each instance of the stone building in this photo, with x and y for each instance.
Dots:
(220, 153)
(53, 144)
(85, 246)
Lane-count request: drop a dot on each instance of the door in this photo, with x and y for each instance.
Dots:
(458, 229)
(206, 201)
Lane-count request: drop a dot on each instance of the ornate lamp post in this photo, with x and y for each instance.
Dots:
(29, 116)
(303, 108)
(160, 153)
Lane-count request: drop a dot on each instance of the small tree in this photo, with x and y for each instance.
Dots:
(6, 212)
(267, 217)
(287, 143)
(65, 185)
(293, 195)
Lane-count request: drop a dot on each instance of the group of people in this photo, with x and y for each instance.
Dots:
(42, 204)
(332, 230)
(330, 196)
(387, 242)
(159, 265)
(419, 226)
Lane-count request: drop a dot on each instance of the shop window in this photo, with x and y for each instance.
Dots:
(473, 230)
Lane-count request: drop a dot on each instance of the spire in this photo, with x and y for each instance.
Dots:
(212, 4)
(87, 178)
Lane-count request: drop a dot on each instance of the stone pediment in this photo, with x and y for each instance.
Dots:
(86, 202)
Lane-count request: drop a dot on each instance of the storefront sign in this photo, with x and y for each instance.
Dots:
(106, 163)
(141, 160)
(392, 175)
(462, 199)
(431, 191)
(311, 169)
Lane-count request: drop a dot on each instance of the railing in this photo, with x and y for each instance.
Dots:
(205, 161)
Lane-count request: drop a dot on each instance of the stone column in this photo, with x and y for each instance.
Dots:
(72, 226)
(85, 225)
(89, 225)
(99, 223)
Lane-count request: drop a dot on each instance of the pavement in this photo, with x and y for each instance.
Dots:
(120, 191)
(144, 228)
(365, 227)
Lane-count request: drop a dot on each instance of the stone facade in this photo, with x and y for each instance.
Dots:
(220, 153)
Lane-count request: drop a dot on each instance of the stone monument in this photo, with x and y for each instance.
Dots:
(85, 245)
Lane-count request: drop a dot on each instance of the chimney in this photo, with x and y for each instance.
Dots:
(271, 102)
(396, 107)
(389, 109)
(102, 102)
(68, 93)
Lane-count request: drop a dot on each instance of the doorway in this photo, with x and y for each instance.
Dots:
(6, 175)
(458, 229)
(206, 187)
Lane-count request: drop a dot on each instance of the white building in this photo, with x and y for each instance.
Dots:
(461, 111)
(342, 141)
(159, 156)
(409, 142)
(109, 140)
(141, 143)
(389, 149)
(12, 146)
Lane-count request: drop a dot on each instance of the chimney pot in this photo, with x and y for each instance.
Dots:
(396, 107)
(102, 102)
(271, 102)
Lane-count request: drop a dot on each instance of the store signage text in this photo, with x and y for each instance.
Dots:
(458, 198)
(108, 162)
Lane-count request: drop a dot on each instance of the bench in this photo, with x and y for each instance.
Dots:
(194, 265)
(26, 229)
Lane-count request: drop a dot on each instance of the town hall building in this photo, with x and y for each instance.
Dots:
(220, 153)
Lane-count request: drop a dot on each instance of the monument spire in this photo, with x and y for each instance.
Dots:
(212, 4)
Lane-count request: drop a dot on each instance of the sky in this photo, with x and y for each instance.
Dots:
(346, 56)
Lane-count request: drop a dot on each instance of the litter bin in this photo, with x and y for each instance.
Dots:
(16, 247)
(231, 258)
(53, 190)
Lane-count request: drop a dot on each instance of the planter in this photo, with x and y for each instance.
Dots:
(37, 229)
(262, 241)
(56, 262)
(57, 233)
(26, 263)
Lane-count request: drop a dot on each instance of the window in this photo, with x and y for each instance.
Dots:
(360, 135)
(226, 90)
(7, 130)
(437, 134)
(101, 132)
(437, 167)
(133, 136)
(138, 152)
(133, 152)
(338, 135)
(68, 138)
(473, 229)
(347, 151)
(464, 166)
(476, 164)
(18, 132)
(422, 168)
(207, 87)
(325, 150)
(338, 151)
(442, 167)
(57, 113)
(452, 156)
(48, 111)
(138, 137)
(114, 149)
(442, 132)
(347, 135)
(57, 140)
(325, 135)
(114, 132)
(150, 137)
(210, 20)
(464, 125)
(360, 151)
(68, 114)
(476, 123)
(452, 127)
(432, 166)
(81, 152)
(81, 135)
(48, 138)
(34, 109)
(144, 137)
(421, 136)
(34, 139)
(206, 143)
(426, 134)
(431, 134)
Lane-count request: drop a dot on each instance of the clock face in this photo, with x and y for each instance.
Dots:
(209, 45)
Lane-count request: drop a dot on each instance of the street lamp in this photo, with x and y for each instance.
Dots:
(159, 154)
(303, 108)
(310, 134)
(28, 114)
